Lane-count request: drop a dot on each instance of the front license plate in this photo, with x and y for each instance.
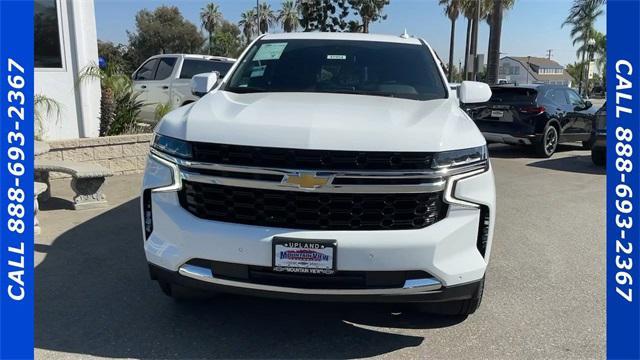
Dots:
(497, 113)
(304, 256)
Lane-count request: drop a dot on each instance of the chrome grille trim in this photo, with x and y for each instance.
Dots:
(433, 180)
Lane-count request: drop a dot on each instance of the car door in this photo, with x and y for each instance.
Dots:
(555, 100)
(581, 119)
(157, 89)
(142, 80)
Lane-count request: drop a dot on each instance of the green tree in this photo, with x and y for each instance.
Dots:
(288, 16)
(369, 11)
(227, 40)
(248, 24)
(582, 17)
(324, 15)
(267, 17)
(163, 30)
(116, 55)
(452, 11)
(211, 17)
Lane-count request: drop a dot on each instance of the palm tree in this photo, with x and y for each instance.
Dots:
(582, 17)
(369, 11)
(288, 16)
(248, 24)
(211, 17)
(468, 8)
(452, 10)
(267, 18)
(494, 18)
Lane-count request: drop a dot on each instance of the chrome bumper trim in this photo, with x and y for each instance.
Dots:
(411, 287)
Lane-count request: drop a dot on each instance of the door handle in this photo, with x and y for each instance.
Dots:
(143, 86)
(165, 87)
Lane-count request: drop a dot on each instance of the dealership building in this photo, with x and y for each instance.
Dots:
(65, 43)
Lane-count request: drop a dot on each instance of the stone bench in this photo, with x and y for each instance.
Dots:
(87, 180)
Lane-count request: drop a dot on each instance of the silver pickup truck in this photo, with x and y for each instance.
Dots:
(166, 78)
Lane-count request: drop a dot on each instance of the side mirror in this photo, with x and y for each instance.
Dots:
(201, 84)
(470, 92)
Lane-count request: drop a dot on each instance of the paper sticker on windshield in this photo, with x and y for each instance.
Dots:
(258, 71)
(336, 57)
(270, 51)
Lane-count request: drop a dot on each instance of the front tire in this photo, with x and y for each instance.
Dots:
(548, 144)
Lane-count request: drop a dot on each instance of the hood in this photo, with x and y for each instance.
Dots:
(324, 122)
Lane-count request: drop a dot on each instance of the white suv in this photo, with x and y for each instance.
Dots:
(166, 79)
(326, 167)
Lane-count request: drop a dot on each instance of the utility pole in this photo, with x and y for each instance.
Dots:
(549, 51)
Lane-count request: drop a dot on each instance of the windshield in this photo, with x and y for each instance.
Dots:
(337, 66)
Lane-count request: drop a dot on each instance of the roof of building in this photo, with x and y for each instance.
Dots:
(343, 36)
(530, 63)
(538, 61)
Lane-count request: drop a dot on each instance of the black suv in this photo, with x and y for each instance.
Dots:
(538, 115)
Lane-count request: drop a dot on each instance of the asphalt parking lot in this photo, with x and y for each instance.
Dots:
(544, 296)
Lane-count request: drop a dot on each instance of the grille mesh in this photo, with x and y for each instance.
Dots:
(302, 159)
(317, 211)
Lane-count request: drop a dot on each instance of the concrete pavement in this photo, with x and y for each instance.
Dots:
(544, 298)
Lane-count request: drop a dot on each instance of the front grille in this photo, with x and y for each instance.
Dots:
(302, 159)
(312, 211)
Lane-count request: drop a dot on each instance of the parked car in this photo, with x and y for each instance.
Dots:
(598, 92)
(539, 115)
(325, 166)
(166, 78)
(599, 149)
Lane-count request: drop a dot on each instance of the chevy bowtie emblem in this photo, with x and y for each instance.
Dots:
(306, 180)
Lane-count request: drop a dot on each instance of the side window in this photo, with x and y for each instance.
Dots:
(147, 71)
(165, 68)
(573, 98)
(194, 67)
(556, 96)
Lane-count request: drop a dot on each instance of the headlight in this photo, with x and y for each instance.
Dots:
(461, 157)
(172, 146)
(157, 174)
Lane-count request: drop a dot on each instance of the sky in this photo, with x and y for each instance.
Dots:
(530, 28)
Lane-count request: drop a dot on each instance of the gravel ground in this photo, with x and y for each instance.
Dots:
(544, 298)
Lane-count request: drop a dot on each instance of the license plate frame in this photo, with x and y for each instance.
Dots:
(324, 249)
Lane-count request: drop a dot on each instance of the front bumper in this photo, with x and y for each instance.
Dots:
(448, 251)
(428, 291)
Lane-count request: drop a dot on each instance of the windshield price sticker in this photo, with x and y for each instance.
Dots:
(270, 51)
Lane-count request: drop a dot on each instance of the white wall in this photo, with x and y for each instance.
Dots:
(79, 101)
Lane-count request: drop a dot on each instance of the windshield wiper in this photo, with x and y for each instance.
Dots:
(360, 92)
(246, 90)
